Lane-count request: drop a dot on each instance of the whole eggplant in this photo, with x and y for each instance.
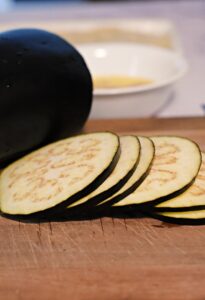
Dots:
(45, 91)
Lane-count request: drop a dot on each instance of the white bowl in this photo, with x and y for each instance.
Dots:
(163, 67)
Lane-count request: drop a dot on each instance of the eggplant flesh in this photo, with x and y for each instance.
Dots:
(167, 176)
(126, 166)
(58, 174)
(45, 91)
(192, 199)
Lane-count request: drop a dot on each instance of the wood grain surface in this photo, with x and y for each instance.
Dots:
(106, 258)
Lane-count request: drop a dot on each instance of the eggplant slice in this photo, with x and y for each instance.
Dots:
(175, 166)
(142, 170)
(196, 217)
(129, 157)
(58, 174)
(192, 199)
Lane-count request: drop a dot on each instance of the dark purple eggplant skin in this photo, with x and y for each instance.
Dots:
(45, 91)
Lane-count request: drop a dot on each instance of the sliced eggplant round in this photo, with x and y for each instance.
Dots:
(58, 174)
(175, 166)
(129, 157)
(142, 170)
(195, 214)
(192, 199)
(196, 217)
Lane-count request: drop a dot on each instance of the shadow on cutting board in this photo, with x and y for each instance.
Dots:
(63, 217)
(117, 212)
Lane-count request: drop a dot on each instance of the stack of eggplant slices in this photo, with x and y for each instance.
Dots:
(98, 173)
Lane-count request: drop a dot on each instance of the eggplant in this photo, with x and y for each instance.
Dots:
(192, 199)
(146, 157)
(45, 91)
(126, 166)
(175, 166)
(195, 217)
(51, 178)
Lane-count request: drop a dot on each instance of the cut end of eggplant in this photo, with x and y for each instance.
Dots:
(175, 166)
(53, 174)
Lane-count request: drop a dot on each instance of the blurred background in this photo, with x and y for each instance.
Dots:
(176, 26)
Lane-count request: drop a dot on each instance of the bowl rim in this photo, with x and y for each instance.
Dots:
(138, 89)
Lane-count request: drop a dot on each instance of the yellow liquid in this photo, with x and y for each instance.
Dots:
(115, 81)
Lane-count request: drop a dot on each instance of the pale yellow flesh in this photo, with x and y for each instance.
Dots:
(130, 152)
(176, 163)
(192, 215)
(146, 157)
(54, 173)
(193, 196)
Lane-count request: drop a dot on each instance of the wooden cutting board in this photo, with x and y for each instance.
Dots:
(107, 258)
